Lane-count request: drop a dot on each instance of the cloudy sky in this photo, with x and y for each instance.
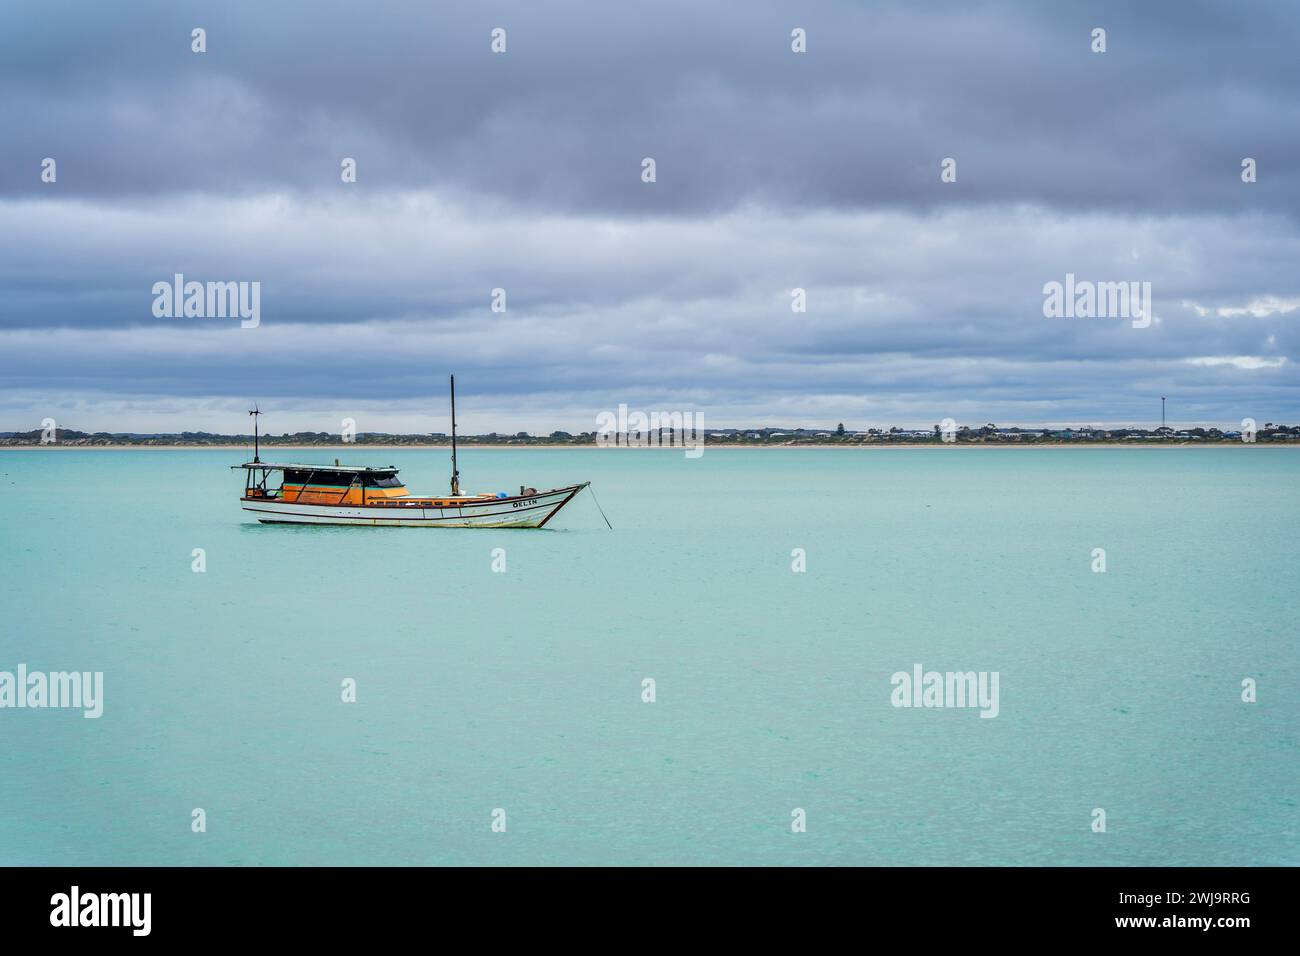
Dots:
(523, 171)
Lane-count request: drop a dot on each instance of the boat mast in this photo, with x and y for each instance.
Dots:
(256, 450)
(455, 472)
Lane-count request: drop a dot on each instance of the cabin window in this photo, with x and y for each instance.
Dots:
(318, 476)
(341, 479)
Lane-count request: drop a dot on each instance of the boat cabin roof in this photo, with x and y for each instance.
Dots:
(350, 469)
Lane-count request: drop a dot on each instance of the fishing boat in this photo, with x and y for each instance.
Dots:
(365, 495)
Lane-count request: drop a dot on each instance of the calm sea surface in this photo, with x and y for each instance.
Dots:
(522, 690)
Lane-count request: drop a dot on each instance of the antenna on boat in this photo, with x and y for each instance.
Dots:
(256, 438)
(455, 472)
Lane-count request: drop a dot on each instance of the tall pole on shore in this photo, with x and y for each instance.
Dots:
(1162, 413)
(455, 472)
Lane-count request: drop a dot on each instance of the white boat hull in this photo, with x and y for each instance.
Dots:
(529, 511)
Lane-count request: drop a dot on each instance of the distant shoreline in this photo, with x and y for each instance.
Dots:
(730, 446)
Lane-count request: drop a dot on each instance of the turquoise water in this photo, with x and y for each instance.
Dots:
(522, 690)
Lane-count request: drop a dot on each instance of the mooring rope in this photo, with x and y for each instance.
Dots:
(598, 507)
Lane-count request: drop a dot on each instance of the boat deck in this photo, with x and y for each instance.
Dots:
(405, 502)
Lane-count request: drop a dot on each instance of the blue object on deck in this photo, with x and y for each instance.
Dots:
(502, 494)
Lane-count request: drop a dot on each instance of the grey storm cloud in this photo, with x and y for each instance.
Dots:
(775, 171)
(1012, 91)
